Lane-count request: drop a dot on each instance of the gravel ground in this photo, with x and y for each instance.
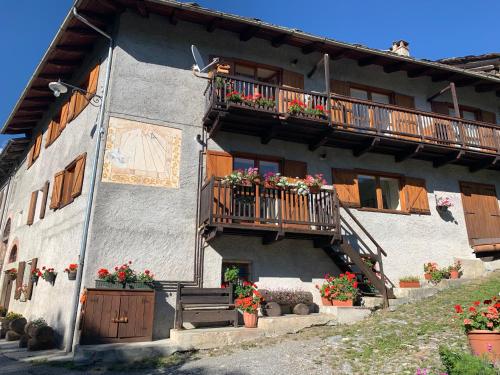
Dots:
(389, 342)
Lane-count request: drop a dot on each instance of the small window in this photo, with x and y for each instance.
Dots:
(262, 164)
(242, 163)
(13, 254)
(244, 273)
(379, 192)
(6, 231)
(359, 94)
(368, 191)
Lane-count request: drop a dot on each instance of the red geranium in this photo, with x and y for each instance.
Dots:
(485, 316)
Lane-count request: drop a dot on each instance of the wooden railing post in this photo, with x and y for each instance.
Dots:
(212, 201)
(382, 274)
(277, 99)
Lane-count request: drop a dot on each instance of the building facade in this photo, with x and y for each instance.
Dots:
(387, 151)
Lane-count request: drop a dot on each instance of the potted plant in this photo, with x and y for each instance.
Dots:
(145, 278)
(481, 323)
(344, 289)
(248, 302)
(443, 203)
(409, 282)
(71, 270)
(454, 270)
(429, 268)
(49, 275)
(317, 112)
(264, 103)
(296, 107)
(301, 187)
(36, 274)
(315, 183)
(235, 97)
(11, 273)
(325, 291)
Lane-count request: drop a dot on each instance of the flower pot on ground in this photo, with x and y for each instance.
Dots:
(454, 274)
(339, 303)
(250, 319)
(248, 302)
(409, 282)
(341, 290)
(427, 276)
(454, 270)
(481, 323)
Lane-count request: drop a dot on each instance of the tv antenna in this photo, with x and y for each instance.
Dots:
(199, 64)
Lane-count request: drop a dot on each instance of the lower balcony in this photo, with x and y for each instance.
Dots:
(359, 125)
(268, 212)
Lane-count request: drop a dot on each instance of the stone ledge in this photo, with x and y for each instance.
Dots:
(209, 338)
(346, 315)
(281, 325)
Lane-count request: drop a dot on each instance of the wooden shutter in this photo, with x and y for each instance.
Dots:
(488, 117)
(92, 81)
(404, 100)
(346, 185)
(72, 106)
(76, 188)
(219, 164)
(340, 87)
(440, 107)
(44, 199)
(415, 195)
(34, 262)
(30, 156)
(292, 79)
(55, 200)
(293, 168)
(63, 120)
(38, 146)
(31, 212)
(19, 279)
(53, 132)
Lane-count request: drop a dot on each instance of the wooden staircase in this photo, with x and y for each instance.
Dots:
(347, 258)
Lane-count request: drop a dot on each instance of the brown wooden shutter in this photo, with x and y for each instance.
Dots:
(404, 100)
(292, 79)
(346, 185)
(340, 87)
(440, 107)
(44, 199)
(488, 117)
(34, 263)
(57, 190)
(294, 168)
(415, 195)
(72, 106)
(38, 146)
(30, 156)
(63, 120)
(31, 212)
(76, 188)
(219, 164)
(19, 279)
(53, 132)
(92, 81)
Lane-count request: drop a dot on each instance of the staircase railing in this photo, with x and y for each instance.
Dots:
(378, 255)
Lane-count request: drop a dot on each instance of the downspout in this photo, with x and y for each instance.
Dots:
(83, 245)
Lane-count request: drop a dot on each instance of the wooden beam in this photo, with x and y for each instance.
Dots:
(366, 147)
(173, 17)
(409, 153)
(112, 5)
(216, 126)
(64, 63)
(272, 237)
(39, 99)
(498, 93)
(339, 54)
(442, 76)
(368, 60)
(213, 24)
(483, 164)
(94, 16)
(49, 76)
(484, 87)
(394, 67)
(34, 108)
(141, 8)
(417, 72)
(466, 82)
(452, 157)
(249, 33)
(312, 47)
(82, 31)
(279, 40)
(321, 141)
(74, 48)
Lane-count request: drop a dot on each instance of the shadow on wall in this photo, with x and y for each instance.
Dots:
(164, 313)
(287, 259)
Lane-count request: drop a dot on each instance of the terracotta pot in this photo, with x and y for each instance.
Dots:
(485, 342)
(454, 275)
(409, 284)
(347, 303)
(427, 276)
(325, 301)
(250, 319)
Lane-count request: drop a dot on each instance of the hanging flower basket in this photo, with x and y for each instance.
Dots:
(12, 273)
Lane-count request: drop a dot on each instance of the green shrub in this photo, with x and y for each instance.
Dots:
(40, 322)
(461, 363)
(13, 316)
(3, 311)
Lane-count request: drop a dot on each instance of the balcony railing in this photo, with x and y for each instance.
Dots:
(359, 116)
(262, 208)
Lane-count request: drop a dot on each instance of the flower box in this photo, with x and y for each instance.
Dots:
(338, 303)
(326, 301)
(409, 284)
(111, 285)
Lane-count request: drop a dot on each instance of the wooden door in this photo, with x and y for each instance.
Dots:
(6, 292)
(481, 211)
(220, 164)
(294, 206)
(136, 317)
(101, 315)
(291, 80)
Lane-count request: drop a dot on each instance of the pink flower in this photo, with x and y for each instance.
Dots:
(467, 322)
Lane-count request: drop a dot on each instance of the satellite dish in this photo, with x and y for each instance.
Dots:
(199, 64)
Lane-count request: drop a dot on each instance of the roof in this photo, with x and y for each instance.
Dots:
(11, 154)
(74, 41)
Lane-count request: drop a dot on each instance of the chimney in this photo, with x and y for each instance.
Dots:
(400, 47)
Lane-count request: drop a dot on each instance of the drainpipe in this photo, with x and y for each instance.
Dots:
(83, 245)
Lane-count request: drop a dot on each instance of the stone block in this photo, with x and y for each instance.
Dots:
(292, 323)
(346, 315)
(472, 268)
(209, 338)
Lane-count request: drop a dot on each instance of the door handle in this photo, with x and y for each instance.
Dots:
(123, 319)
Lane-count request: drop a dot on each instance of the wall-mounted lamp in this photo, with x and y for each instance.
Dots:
(61, 87)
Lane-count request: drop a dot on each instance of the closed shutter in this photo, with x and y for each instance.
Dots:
(53, 132)
(346, 185)
(57, 190)
(34, 262)
(38, 146)
(30, 156)
(219, 164)
(80, 103)
(92, 81)
(488, 117)
(19, 279)
(31, 212)
(63, 120)
(292, 79)
(72, 106)
(340, 87)
(404, 101)
(440, 107)
(44, 199)
(76, 188)
(415, 194)
(293, 168)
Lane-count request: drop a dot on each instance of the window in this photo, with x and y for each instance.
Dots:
(467, 114)
(372, 94)
(68, 183)
(263, 165)
(243, 267)
(257, 72)
(379, 192)
(32, 207)
(6, 231)
(13, 254)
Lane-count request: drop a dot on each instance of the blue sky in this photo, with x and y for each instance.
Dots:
(434, 28)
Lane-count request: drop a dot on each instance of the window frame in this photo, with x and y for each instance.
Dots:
(462, 108)
(247, 263)
(251, 64)
(258, 158)
(370, 90)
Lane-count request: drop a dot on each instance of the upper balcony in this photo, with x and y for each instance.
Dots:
(360, 125)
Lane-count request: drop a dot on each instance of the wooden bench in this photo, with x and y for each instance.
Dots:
(204, 305)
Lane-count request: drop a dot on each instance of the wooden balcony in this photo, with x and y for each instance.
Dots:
(270, 213)
(360, 125)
